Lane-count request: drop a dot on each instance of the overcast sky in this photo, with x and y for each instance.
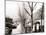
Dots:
(12, 8)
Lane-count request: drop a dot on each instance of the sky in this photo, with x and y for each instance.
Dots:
(12, 8)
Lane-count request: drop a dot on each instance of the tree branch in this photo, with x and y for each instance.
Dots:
(27, 12)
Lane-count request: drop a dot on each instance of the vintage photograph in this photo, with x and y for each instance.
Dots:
(23, 17)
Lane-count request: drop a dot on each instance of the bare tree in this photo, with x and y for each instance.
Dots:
(34, 16)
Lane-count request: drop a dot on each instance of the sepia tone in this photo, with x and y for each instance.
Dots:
(29, 18)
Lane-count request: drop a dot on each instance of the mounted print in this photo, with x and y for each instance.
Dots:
(23, 17)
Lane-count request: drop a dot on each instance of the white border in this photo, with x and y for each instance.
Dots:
(2, 17)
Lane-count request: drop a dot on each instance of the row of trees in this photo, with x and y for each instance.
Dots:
(38, 15)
